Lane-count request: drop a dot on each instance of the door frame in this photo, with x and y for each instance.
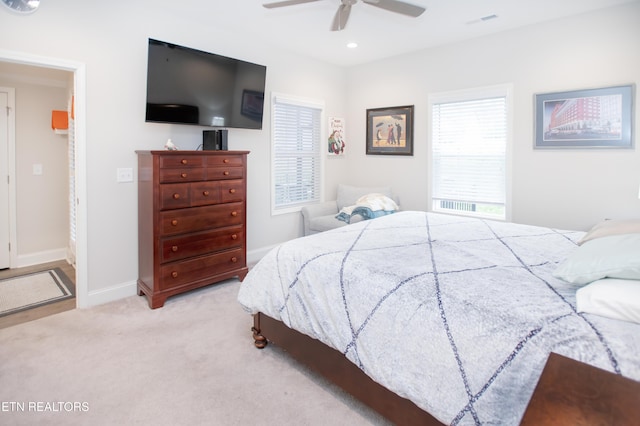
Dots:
(79, 89)
(10, 172)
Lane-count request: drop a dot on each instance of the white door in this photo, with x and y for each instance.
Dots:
(4, 180)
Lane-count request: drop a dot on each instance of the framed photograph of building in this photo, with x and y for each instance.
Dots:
(390, 131)
(592, 118)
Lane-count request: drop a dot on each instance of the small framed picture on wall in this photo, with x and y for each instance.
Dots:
(336, 144)
(390, 131)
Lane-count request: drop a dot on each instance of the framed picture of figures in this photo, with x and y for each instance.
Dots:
(390, 131)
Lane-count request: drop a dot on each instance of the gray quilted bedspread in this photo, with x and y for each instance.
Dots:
(456, 314)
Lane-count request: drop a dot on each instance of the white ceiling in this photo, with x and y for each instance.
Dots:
(304, 28)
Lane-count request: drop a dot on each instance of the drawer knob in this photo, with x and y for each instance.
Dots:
(234, 259)
(176, 196)
(234, 214)
(232, 191)
(234, 237)
(183, 175)
(174, 248)
(225, 160)
(174, 222)
(183, 161)
(174, 274)
(205, 193)
(226, 173)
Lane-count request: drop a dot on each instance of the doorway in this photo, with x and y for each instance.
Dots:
(37, 218)
(39, 213)
(79, 162)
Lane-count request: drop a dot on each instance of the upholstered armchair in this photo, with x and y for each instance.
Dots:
(322, 216)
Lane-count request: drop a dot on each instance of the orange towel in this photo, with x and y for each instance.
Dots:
(59, 120)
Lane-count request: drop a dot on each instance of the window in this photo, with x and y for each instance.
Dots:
(296, 153)
(469, 143)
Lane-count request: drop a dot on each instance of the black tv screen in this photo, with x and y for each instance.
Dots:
(189, 86)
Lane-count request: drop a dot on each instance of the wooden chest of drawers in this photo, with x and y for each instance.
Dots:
(191, 220)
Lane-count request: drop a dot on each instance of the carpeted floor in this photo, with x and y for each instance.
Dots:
(191, 362)
(34, 289)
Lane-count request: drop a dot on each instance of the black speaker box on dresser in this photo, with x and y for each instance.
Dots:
(215, 140)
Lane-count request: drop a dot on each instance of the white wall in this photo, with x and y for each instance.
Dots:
(42, 220)
(110, 39)
(570, 189)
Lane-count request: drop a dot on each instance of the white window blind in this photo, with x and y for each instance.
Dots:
(297, 169)
(469, 142)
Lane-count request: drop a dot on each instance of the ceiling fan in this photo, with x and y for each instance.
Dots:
(342, 15)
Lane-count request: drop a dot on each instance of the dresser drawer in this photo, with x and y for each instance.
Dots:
(180, 195)
(189, 271)
(215, 173)
(205, 193)
(183, 174)
(232, 190)
(201, 218)
(181, 161)
(175, 196)
(225, 160)
(201, 243)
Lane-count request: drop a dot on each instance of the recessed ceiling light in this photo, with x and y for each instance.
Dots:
(482, 19)
(352, 45)
(488, 17)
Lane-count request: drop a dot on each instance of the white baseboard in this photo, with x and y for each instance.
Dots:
(128, 289)
(110, 294)
(254, 256)
(40, 257)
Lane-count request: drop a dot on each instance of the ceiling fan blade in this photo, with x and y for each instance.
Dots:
(342, 15)
(286, 3)
(397, 6)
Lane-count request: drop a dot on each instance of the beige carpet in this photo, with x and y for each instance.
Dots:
(191, 362)
(34, 289)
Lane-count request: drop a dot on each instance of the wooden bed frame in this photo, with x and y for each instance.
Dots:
(335, 367)
(568, 392)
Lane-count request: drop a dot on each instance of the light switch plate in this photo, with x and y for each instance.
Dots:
(125, 175)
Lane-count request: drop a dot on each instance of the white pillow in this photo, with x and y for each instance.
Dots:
(348, 195)
(611, 298)
(611, 227)
(377, 202)
(616, 256)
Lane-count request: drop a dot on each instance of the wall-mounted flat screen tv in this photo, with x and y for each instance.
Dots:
(189, 86)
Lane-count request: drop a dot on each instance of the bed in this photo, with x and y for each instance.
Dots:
(439, 319)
